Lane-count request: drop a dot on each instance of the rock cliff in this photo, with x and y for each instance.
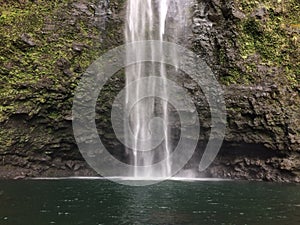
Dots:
(252, 47)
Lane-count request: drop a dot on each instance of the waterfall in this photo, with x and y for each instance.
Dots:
(163, 20)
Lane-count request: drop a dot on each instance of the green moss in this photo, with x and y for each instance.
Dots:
(24, 69)
(273, 40)
(235, 76)
(37, 82)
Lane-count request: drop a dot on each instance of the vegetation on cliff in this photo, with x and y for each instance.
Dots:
(45, 46)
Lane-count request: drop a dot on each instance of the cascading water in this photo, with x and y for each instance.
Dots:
(163, 20)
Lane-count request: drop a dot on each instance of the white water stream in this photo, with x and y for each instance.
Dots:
(162, 20)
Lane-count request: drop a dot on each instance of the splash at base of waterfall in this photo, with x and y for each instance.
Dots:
(183, 179)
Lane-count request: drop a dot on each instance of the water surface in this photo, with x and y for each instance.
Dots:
(94, 202)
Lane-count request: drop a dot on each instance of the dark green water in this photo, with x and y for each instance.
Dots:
(93, 202)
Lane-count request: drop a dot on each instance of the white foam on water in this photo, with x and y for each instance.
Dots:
(184, 179)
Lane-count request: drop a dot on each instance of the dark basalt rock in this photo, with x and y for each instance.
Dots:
(27, 40)
(24, 42)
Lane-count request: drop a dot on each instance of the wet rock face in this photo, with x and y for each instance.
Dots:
(52, 49)
(45, 47)
(262, 103)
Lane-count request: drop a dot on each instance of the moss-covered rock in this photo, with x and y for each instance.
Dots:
(252, 46)
(45, 47)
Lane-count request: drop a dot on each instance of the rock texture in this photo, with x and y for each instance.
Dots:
(255, 53)
(252, 47)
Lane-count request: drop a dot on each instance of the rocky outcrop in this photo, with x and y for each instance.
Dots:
(251, 47)
(45, 47)
(254, 52)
